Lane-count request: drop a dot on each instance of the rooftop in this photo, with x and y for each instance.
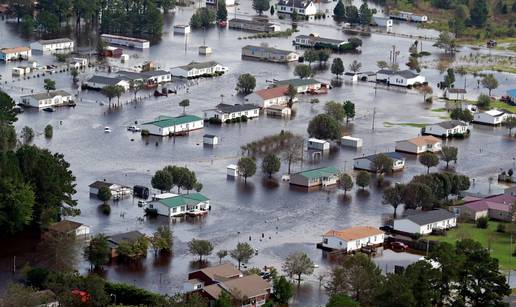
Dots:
(450, 124)
(127, 38)
(248, 21)
(99, 184)
(55, 41)
(456, 91)
(126, 236)
(297, 82)
(166, 121)
(353, 233)
(268, 49)
(104, 80)
(228, 108)
(49, 95)
(184, 199)
(14, 50)
(502, 202)
(322, 39)
(295, 3)
(248, 286)
(221, 271)
(423, 140)
(495, 113)
(274, 92)
(393, 155)
(404, 73)
(319, 172)
(199, 65)
(428, 217)
(65, 226)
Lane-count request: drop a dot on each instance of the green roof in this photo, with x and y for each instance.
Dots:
(319, 172)
(182, 200)
(297, 82)
(166, 121)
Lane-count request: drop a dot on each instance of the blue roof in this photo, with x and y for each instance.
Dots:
(512, 93)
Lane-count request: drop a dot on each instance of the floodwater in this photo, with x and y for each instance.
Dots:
(289, 219)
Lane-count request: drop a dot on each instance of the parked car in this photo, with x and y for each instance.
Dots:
(399, 246)
(133, 128)
(48, 109)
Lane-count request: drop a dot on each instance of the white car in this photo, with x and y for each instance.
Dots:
(107, 129)
(133, 128)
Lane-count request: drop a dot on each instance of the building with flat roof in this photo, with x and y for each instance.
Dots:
(269, 54)
(15, 54)
(47, 99)
(167, 125)
(323, 176)
(53, 45)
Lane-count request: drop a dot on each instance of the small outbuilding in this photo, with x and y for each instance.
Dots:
(424, 222)
(349, 141)
(232, 170)
(316, 144)
(210, 139)
(70, 228)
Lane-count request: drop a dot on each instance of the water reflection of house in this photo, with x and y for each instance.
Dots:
(323, 176)
(352, 238)
(211, 282)
(178, 205)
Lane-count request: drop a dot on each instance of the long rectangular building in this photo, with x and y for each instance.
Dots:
(126, 41)
(14, 54)
(253, 25)
(269, 54)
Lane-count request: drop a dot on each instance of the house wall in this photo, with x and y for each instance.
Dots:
(437, 130)
(155, 130)
(125, 42)
(266, 103)
(469, 214)
(82, 230)
(310, 10)
(409, 147)
(45, 103)
(271, 56)
(318, 145)
(14, 56)
(338, 243)
(500, 215)
(364, 164)
(297, 179)
(485, 118)
(408, 226)
(52, 47)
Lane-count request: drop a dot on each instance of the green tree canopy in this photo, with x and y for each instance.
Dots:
(324, 126)
(246, 83)
(242, 253)
(298, 264)
(271, 164)
(303, 71)
(429, 159)
(97, 252)
(345, 182)
(246, 167)
(200, 248)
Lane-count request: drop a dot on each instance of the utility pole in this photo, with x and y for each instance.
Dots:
(374, 115)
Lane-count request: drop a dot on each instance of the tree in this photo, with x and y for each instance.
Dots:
(49, 131)
(224, 300)
(463, 115)
(184, 104)
(382, 164)
(417, 195)
(246, 83)
(355, 65)
(323, 56)
(119, 90)
(104, 194)
(49, 85)
(242, 253)
(352, 15)
(349, 110)
(345, 182)
(394, 196)
(97, 251)
(335, 110)
(429, 159)
(222, 254)
(510, 123)
(136, 86)
(358, 277)
(298, 264)
(365, 14)
(311, 56)
(339, 12)
(425, 90)
(133, 250)
(271, 164)
(449, 153)
(382, 64)
(283, 290)
(200, 248)
(162, 239)
(489, 81)
(8, 139)
(17, 295)
(423, 283)
(202, 18)
(324, 126)
(16, 203)
(303, 71)
(222, 12)
(449, 79)
(341, 300)
(445, 255)
(446, 41)
(261, 6)
(110, 92)
(363, 179)
(337, 67)
(162, 181)
(483, 101)
(291, 94)
(7, 112)
(294, 151)
(479, 13)
(395, 291)
(246, 167)
(272, 10)
(59, 251)
(27, 134)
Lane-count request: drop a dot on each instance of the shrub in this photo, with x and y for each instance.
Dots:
(439, 232)
(49, 131)
(228, 121)
(416, 236)
(215, 121)
(151, 212)
(500, 228)
(243, 118)
(145, 132)
(482, 222)
(105, 209)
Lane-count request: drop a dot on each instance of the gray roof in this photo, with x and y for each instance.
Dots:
(55, 41)
(141, 75)
(45, 95)
(428, 217)
(210, 136)
(297, 82)
(253, 22)
(450, 124)
(393, 155)
(199, 65)
(130, 236)
(99, 184)
(268, 49)
(404, 73)
(228, 108)
(323, 40)
(104, 80)
(295, 3)
(154, 73)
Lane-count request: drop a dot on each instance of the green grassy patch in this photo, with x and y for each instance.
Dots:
(444, 117)
(439, 110)
(502, 105)
(499, 243)
(415, 125)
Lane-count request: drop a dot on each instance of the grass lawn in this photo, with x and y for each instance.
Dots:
(500, 242)
(414, 125)
(502, 105)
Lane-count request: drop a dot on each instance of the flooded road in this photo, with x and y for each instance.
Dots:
(290, 219)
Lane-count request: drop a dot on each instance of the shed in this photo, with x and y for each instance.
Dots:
(317, 144)
(232, 170)
(349, 141)
(210, 139)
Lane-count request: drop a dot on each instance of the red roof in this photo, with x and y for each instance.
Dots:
(500, 202)
(274, 92)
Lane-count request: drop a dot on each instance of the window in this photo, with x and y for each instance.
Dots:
(174, 210)
(325, 240)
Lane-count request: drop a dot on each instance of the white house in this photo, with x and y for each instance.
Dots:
(350, 77)
(255, 25)
(447, 128)
(199, 69)
(15, 54)
(316, 144)
(70, 227)
(314, 39)
(491, 117)
(269, 97)
(408, 16)
(227, 112)
(214, 2)
(181, 204)
(419, 145)
(232, 170)
(182, 29)
(166, 125)
(367, 162)
(53, 45)
(454, 93)
(21, 71)
(45, 100)
(349, 141)
(382, 21)
(405, 78)
(269, 54)
(130, 42)
(324, 176)
(304, 8)
(424, 221)
(98, 82)
(352, 238)
(95, 186)
(302, 86)
(210, 139)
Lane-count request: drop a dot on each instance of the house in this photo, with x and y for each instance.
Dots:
(21, 71)
(314, 40)
(316, 144)
(115, 240)
(130, 42)
(210, 139)
(278, 110)
(210, 276)
(166, 125)
(113, 52)
(419, 145)
(385, 22)
(150, 78)
(70, 227)
(182, 29)
(47, 99)
(352, 238)
(408, 16)
(270, 97)
(199, 69)
(232, 170)
(253, 25)
(367, 162)
(226, 112)
(304, 8)
(496, 207)
(117, 190)
(98, 82)
(404, 78)
(78, 63)
(15, 54)
(178, 205)
(323, 176)
(350, 77)
(367, 76)
(423, 222)
(492, 117)
(446, 129)
(349, 141)
(303, 86)
(214, 2)
(269, 54)
(454, 93)
(53, 45)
